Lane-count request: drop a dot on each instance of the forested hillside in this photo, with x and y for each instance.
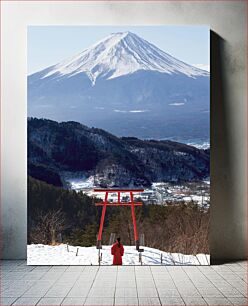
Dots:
(58, 215)
(70, 147)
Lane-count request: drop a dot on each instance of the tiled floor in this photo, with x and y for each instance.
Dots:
(141, 285)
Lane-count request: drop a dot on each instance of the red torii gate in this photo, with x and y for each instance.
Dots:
(131, 203)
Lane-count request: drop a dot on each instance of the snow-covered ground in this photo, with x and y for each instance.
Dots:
(204, 145)
(81, 183)
(39, 254)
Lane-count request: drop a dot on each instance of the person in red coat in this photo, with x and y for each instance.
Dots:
(117, 250)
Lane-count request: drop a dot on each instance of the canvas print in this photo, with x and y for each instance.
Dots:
(118, 145)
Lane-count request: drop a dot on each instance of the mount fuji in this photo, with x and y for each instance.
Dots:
(129, 87)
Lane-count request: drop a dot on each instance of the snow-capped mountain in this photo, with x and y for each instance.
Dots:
(121, 54)
(126, 85)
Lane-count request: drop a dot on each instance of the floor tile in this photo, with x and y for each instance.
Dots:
(85, 280)
(125, 268)
(58, 268)
(217, 301)
(194, 301)
(147, 292)
(58, 291)
(8, 300)
(50, 301)
(13, 292)
(104, 284)
(126, 292)
(125, 283)
(143, 269)
(102, 292)
(230, 292)
(143, 276)
(26, 301)
(145, 283)
(91, 269)
(164, 292)
(38, 290)
(51, 276)
(73, 301)
(149, 301)
(165, 285)
(239, 301)
(79, 291)
(16, 275)
(75, 269)
(122, 301)
(99, 301)
(166, 301)
(41, 268)
(209, 292)
(189, 293)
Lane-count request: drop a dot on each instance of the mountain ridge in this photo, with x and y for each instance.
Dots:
(69, 147)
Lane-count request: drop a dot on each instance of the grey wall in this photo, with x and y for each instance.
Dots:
(227, 20)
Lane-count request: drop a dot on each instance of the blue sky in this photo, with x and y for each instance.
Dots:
(48, 45)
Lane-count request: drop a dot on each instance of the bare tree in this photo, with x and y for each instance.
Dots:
(47, 226)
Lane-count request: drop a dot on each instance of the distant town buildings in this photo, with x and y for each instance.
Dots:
(167, 194)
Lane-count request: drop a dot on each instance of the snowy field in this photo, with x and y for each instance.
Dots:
(39, 254)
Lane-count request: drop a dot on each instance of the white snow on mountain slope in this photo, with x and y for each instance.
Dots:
(40, 254)
(202, 66)
(120, 54)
